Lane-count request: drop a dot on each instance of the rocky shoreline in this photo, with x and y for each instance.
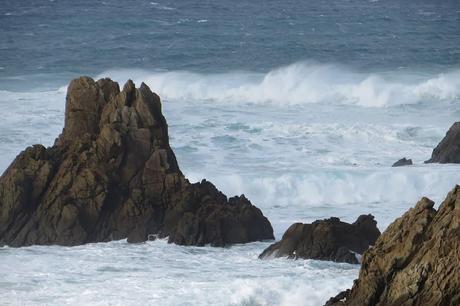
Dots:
(112, 175)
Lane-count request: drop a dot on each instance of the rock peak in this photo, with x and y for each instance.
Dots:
(448, 150)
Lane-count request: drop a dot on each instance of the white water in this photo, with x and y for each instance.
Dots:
(157, 273)
(302, 142)
(303, 83)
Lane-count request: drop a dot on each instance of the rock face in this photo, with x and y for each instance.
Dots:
(416, 261)
(448, 150)
(111, 175)
(329, 239)
(402, 162)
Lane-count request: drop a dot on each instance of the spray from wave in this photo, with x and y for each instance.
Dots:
(300, 83)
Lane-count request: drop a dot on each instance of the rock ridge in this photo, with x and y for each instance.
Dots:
(112, 174)
(416, 261)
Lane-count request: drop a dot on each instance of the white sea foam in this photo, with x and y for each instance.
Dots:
(341, 187)
(28, 118)
(345, 193)
(301, 83)
(158, 273)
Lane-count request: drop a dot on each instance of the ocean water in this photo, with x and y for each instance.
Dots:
(300, 105)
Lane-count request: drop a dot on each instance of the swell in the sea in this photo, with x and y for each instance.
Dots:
(302, 83)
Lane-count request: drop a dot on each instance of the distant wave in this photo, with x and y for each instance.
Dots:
(341, 188)
(300, 83)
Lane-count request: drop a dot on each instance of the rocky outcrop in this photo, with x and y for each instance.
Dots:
(402, 162)
(448, 150)
(329, 239)
(416, 261)
(111, 175)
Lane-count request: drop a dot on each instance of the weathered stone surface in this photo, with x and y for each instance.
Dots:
(402, 162)
(448, 150)
(329, 239)
(111, 175)
(416, 261)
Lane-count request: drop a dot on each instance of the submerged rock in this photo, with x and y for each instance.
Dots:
(448, 150)
(111, 175)
(329, 239)
(402, 162)
(416, 261)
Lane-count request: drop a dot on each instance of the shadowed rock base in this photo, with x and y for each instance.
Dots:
(111, 175)
(416, 261)
(329, 239)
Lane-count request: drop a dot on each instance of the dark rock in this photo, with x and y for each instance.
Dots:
(448, 150)
(329, 239)
(339, 298)
(111, 175)
(414, 262)
(402, 162)
(138, 235)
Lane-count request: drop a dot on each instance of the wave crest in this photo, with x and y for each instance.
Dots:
(300, 83)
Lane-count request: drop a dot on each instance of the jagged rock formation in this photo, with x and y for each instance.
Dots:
(416, 261)
(448, 150)
(402, 162)
(112, 174)
(329, 239)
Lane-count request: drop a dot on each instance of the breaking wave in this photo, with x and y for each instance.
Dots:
(300, 83)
